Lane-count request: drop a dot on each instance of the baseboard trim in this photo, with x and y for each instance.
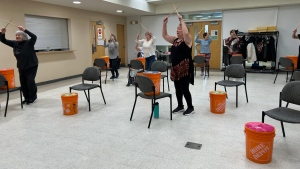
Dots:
(57, 80)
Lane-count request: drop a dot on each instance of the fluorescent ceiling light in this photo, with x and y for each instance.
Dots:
(76, 2)
(120, 11)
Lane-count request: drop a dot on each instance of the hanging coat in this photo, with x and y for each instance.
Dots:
(251, 53)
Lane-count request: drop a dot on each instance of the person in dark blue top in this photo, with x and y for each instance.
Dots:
(204, 49)
(27, 61)
(295, 36)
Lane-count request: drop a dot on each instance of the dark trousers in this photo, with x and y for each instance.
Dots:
(298, 63)
(27, 80)
(149, 62)
(114, 69)
(182, 89)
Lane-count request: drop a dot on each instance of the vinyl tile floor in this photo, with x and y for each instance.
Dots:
(40, 136)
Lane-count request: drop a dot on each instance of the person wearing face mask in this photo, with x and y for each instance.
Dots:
(205, 49)
(113, 52)
(27, 61)
(148, 48)
(232, 43)
(182, 65)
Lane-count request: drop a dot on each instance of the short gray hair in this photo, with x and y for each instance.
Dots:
(23, 34)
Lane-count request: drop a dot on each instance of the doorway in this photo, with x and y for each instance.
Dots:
(98, 50)
(121, 40)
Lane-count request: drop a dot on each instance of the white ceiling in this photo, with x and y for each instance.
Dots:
(159, 2)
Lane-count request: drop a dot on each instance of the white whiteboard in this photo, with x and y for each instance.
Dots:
(154, 24)
(246, 19)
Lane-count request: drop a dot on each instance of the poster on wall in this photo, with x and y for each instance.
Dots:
(214, 34)
(99, 33)
(100, 42)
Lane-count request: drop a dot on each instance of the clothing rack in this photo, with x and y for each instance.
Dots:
(255, 34)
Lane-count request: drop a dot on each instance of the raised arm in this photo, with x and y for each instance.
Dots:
(137, 40)
(186, 35)
(105, 45)
(4, 40)
(33, 37)
(116, 43)
(209, 38)
(165, 35)
(153, 38)
(294, 35)
(137, 47)
(197, 40)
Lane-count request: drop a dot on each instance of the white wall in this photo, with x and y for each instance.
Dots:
(288, 19)
(132, 31)
(246, 19)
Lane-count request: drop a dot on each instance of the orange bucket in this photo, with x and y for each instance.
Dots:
(155, 77)
(9, 75)
(217, 102)
(143, 60)
(106, 58)
(70, 103)
(295, 60)
(259, 142)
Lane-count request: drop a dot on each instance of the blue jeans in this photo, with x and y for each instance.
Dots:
(149, 61)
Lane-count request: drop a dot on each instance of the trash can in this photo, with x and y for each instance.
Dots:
(259, 142)
(155, 77)
(70, 103)
(217, 101)
(295, 61)
(9, 75)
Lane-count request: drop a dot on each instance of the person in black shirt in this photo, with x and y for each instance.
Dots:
(182, 70)
(27, 61)
(295, 36)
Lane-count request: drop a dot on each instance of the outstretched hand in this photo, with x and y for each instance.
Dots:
(166, 19)
(137, 37)
(21, 28)
(3, 30)
(295, 31)
(179, 17)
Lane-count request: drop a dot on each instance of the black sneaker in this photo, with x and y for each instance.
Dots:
(117, 75)
(189, 111)
(31, 101)
(112, 77)
(128, 85)
(25, 101)
(178, 109)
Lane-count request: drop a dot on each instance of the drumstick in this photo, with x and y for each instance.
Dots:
(201, 30)
(173, 11)
(298, 26)
(9, 22)
(144, 27)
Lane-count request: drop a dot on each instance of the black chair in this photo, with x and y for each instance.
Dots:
(89, 74)
(290, 94)
(100, 63)
(285, 62)
(234, 71)
(146, 85)
(161, 66)
(198, 60)
(237, 60)
(4, 83)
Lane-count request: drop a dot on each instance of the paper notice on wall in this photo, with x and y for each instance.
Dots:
(214, 34)
(100, 32)
(100, 42)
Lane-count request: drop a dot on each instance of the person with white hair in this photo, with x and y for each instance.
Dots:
(27, 61)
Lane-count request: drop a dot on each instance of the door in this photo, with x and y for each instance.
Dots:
(97, 51)
(121, 40)
(214, 28)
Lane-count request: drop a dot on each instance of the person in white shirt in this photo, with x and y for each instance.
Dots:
(148, 48)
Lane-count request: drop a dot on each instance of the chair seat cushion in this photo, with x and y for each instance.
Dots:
(284, 114)
(285, 70)
(162, 95)
(230, 83)
(84, 86)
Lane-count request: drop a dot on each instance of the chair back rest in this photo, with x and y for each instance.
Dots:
(145, 84)
(160, 66)
(136, 64)
(99, 62)
(291, 93)
(91, 74)
(237, 60)
(296, 76)
(235, 71)
(3, 81)
(285, 62)
(199, 59)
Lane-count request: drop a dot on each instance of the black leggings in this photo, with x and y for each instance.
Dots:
(114, 69)
(182, 89)
(27, 80)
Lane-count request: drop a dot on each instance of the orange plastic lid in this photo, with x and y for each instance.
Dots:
(259, 127)
(151, 72)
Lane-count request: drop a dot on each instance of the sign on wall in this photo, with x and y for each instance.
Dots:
(214, 34)
(100, 33)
